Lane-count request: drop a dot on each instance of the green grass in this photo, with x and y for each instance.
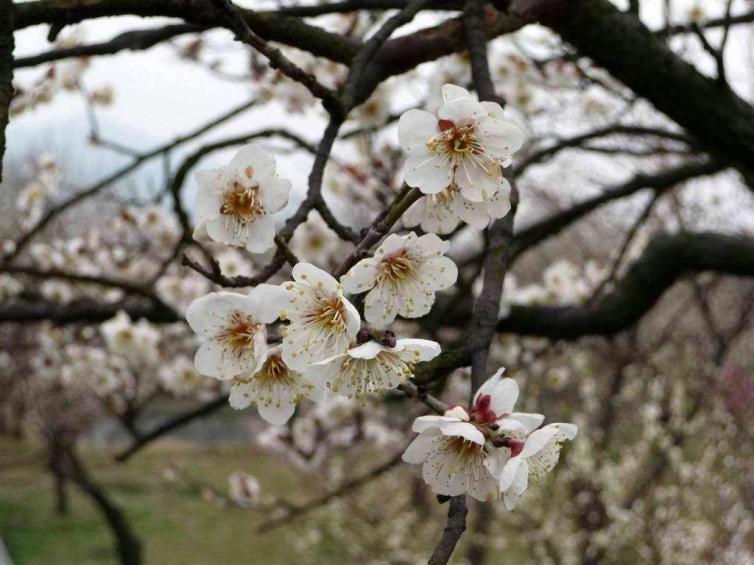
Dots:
(178, 526)
(174, 522)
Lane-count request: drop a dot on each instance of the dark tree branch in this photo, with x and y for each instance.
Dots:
(542, 155)
(721, 121)
(380, 227)
(476, 40)
(135, 40)
(453, 531)
(7, 10)
(294, 512)
(117, 175)
(23, 311)
(660, 182)
(728, 21)
(142, 440)
(127, 544)
(277, 59)
(667, 258)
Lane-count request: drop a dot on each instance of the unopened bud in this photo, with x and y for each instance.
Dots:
(388, 339)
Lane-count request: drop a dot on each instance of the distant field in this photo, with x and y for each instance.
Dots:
(175, 523)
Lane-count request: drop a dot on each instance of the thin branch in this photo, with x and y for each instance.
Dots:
(276, 57)
(134, 40)
(380, 227)
(453, 531)
(294, 512)
(170, 425)
(577, 141)
(117, 175)
(659, 182)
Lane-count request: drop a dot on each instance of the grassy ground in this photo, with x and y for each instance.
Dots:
(175, 523)
(178, 526)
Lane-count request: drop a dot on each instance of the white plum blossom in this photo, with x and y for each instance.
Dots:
(451, 450)
(134, 341)
(373, 367)
(244, 489)
(274, 388)
(464, 145)
(489, 450)
(403, 275)
(442, 212)
(232, 326)
(537, 456)
(322, 323)
(235, 203)
(179, 377)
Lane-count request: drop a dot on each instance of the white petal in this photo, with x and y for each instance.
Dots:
(477, 182)
(239, 397)
(538, 440)
(499, 137)
(439, 272)
(429, 172)
(368, 350)
(510, 471)
(430, 244)
(274, 194)
(417, 350)
(361, 277)
(423, 423)
(277, 415)
(259, 235)
(208, 360)
(464, 430)
(380, 307)
(316, 277)
(452, 92)
(208, 314)
(461, 110)
(261, 161)
(419, 449)
(511, 500)
(503, 392)
(530, 421)
(416, 127)
(268, 300)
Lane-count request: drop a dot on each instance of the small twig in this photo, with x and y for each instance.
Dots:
(294, 512)
(276, 57)
(381, 226)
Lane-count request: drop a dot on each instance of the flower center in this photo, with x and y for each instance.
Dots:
(274, 366)
(457, 141)
(464, 448)
(242, 203)
(331, 312)
(397, 266)
(239, 335)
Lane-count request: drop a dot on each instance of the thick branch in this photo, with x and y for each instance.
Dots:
(6, 70)
(666, 259)
(659, 182)
(722, 122)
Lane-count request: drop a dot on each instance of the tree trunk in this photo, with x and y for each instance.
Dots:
(128, 546)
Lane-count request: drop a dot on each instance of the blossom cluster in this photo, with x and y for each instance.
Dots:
(456, 160)
(488, 451)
